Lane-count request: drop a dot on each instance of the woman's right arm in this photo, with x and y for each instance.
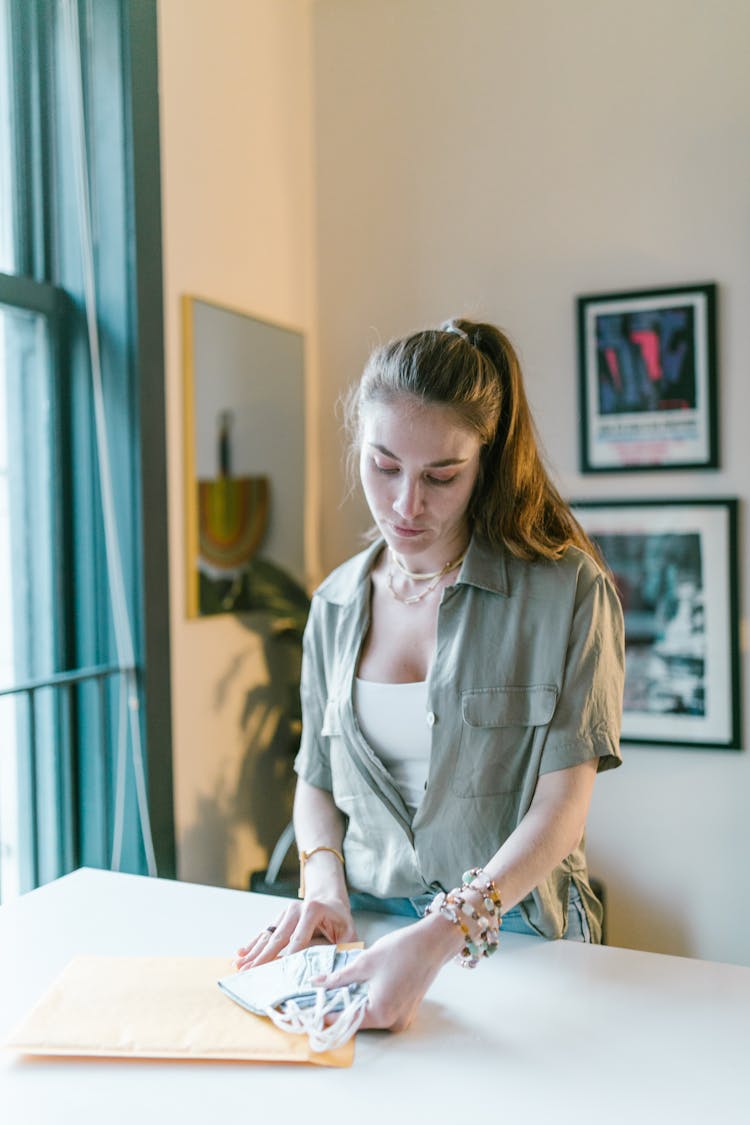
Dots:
(324, 914)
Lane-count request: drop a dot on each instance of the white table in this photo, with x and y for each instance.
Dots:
(546, 1031)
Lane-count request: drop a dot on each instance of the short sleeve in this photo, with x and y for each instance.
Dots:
(312, 762)
(588, 715)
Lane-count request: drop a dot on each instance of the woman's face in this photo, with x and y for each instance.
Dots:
(419, 465)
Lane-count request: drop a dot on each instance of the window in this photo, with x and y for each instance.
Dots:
(84, 659)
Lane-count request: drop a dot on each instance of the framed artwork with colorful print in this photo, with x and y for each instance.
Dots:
(648, 379)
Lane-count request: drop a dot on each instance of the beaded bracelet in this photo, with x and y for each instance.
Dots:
(482, 944)
(455, 907)
(492, 904)
(488, 890)
(468, 955)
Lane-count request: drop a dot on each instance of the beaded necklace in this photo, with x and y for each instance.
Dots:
(420, 577)
(433, 579)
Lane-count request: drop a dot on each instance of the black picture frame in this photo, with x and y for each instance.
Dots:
(648, 379)
(676, 569)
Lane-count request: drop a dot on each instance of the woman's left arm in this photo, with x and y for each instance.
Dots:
(550, 831)
(400, 967)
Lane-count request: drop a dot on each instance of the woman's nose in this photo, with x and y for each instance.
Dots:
(408, 501)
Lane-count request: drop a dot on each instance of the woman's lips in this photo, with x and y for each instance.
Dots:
(407, 532)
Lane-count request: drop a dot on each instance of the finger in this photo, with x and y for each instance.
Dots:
(268, 950)
(260, 939)
(333, 1016)
(371, 1021)
(243, 949)
(374, 1022)
(262, 936)
(295, 933)
(337, 933)
(303, 934)
(314, 930)
(301, 939)
(246, 960)
(268, 945)
(355, 973)
(247, 952)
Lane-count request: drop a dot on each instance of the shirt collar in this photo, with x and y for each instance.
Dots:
(484, 566)
(344, 584)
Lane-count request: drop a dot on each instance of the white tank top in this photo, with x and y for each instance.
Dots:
(393, 720)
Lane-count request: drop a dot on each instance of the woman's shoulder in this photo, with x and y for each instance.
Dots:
(575, 584)
(497, 566)
(579, 563)
(575, 567)
(581, 578)
(345, 582)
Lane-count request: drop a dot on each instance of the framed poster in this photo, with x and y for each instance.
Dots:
(647, 379)
(675, 566)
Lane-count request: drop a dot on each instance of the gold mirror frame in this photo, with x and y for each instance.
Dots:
(243, 393)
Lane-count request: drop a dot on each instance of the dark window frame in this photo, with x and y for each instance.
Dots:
(126, 31)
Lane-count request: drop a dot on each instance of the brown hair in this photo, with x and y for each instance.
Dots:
(474, 369)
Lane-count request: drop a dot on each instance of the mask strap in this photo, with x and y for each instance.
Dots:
(310, 1021)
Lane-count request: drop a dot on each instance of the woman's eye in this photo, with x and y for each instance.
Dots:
(387, 469)
(439, 480)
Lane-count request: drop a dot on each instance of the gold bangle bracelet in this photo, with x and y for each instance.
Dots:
(303, 858)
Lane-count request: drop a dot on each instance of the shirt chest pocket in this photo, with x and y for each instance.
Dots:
(498, 731)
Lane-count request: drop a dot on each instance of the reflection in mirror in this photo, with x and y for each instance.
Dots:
(244, 461)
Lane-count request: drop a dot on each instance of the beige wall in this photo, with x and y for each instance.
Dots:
(237, 207)
(498, 157)
(494, 157)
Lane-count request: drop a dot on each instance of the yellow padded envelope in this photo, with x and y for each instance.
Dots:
(156, 1007)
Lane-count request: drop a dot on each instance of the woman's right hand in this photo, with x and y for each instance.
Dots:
(317, 919)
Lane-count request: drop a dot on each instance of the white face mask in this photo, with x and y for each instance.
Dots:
(282, 991)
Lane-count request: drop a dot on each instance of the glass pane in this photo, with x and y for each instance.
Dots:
(11, 847)
(28, 630)
(6, 632)
(8, 258)
(28, 488)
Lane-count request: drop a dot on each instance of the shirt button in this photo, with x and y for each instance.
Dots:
(430, 718)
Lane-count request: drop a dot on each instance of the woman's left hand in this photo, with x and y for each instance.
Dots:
(398, 969)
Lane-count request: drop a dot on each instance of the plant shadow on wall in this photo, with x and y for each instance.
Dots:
(258, 796)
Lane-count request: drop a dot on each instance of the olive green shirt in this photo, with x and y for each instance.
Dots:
(527, 679)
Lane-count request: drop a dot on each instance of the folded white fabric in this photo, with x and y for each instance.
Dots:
(283, 991)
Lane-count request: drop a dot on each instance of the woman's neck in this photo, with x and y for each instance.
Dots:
(430, 564)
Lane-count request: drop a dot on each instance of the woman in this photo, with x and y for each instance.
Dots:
(462, 684)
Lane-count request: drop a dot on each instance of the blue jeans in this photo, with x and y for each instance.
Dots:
(576, 930)
(513, 920)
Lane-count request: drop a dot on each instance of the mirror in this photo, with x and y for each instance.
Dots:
(244, 459)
